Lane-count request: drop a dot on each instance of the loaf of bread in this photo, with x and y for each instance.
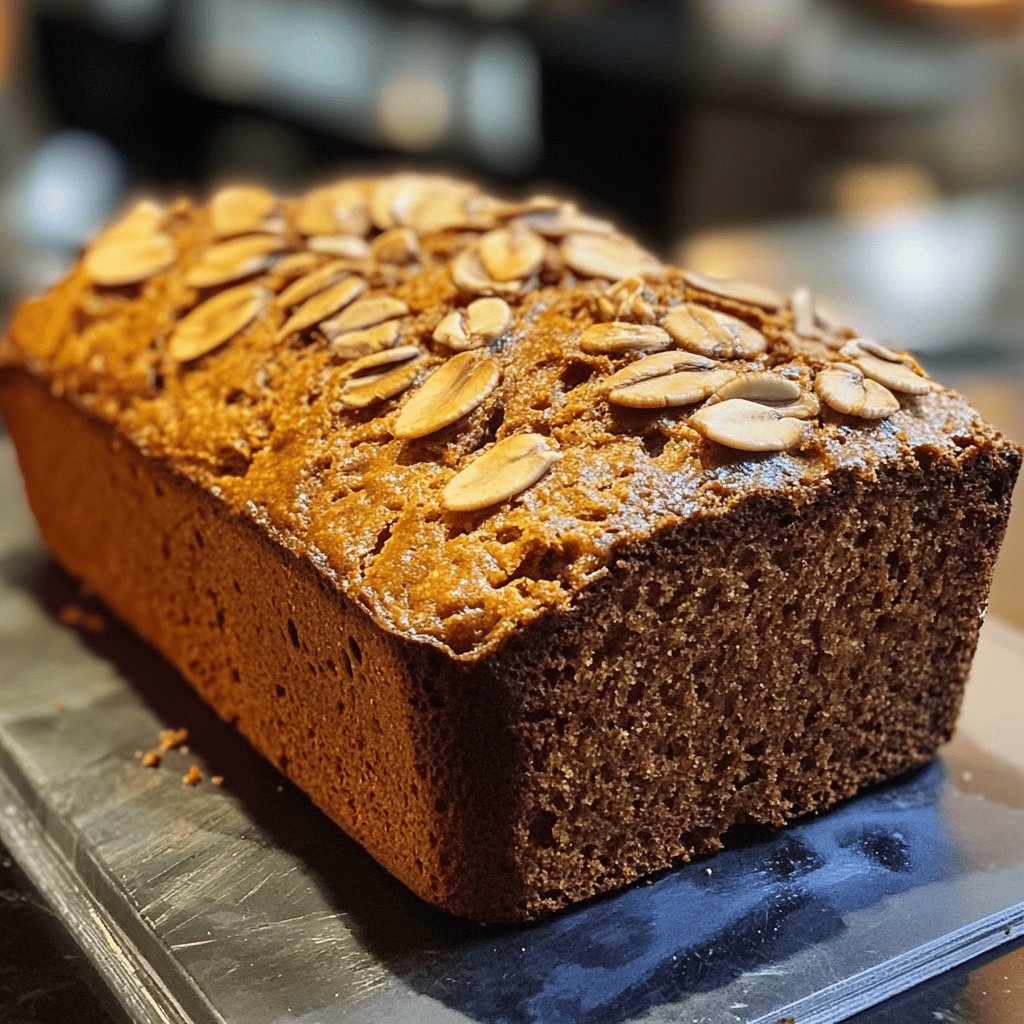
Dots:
(536, 563)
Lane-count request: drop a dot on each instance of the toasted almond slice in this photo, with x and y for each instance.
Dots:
(360, 393)
(378, 363)
(511, 253)
(843, 387)
(296, 264)
(747, 292)
(801, 302)
(627, 300)
(655, 366)
(322, 305)
(865, 346)
(216, 321)
(454, 389)
(236, 258)
(128, 257)
(368, 311)
(398, 245)
(442, 204)
(748, 426)
(895, 376)
(241, 210)
(681, 388)
(353, 344)
(806, 407)
(488, 319)
(352, 247)
(759, 386)
(564, 219)
(451, 331)
(393, 197)
(143, 218)
(620, 336)
(506, 469)
(609, 256)
(333, 209)
(469, 275)
(712, 333)
(315, 281)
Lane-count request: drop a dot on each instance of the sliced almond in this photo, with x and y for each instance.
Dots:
(564, 219)
(488, 319)
(354, 344)
(118, 259)
(759, 386)
(340, 208)
(609, 256)
(451, 331)
(843, 387)
(680, 388)
(506, 469)
(368, 311)
(315, 281)
(296, 264)
(469, 275)
(443, 204)
(655, 366)
(232, 260)
(241, 210)
(895, 376)
(398, 245)
(144, 218)
(712, 333)
(748, 426)
(216, 321)
(352, 247)
(865, 346)
(627, 300)
(511, 253)
(322, 305)
(454, 389)
(769, 388)
(360, 393)
(801, 302)
(620, 336)
(393, 197)
(747, 292)
(376, 364)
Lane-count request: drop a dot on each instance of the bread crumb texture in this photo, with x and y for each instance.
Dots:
(333, 366)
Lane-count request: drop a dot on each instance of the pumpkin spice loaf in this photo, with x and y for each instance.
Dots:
(536, 563)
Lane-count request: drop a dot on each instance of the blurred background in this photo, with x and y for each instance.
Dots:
(872, 149)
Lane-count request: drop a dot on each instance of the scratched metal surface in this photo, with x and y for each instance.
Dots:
(244, 904)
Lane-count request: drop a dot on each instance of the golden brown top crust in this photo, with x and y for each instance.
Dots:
(461, 408)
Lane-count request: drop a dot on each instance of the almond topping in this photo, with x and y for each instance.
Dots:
(399, 245)
(333, 209)
(564, 219)
(504, 470)
(747, 292)
(712, 333)
(241, 210)
(451, 331)
(365, 366)
(619, 336)
(768, 388)
(125, 257)
(310, 284)
(216, 321)
(511, 253)
(655, 366)
(748, 426)
(455, 388)
(353, 344)
(609, 256)
(682, 387)
(626, 300)
(228, 261)
(295, 264)
(352, 247)
(368, 311)
(361, 392)
(469, 275)
(843, 387)
(895, 376)
(320, 306)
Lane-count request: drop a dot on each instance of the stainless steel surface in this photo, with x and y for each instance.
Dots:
(243, 903)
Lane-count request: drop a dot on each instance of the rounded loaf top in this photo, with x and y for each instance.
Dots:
(462, 409)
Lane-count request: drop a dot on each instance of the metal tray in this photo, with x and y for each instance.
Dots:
(244, 904)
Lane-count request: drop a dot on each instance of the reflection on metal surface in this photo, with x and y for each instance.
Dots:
(247, 905)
